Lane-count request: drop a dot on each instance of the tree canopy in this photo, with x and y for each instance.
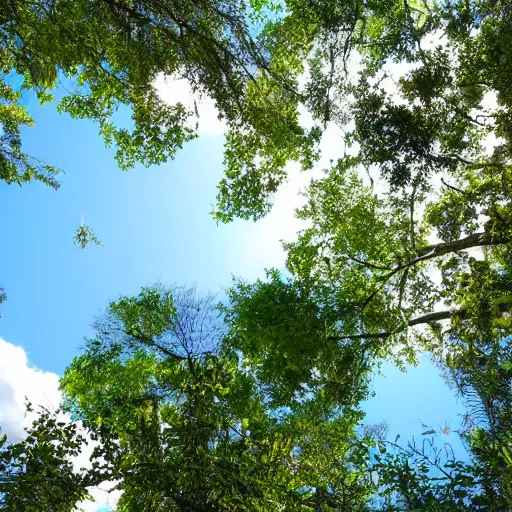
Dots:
(411, 83)
(254, 404)
(176, 393)
(184, 425)
(99, 56)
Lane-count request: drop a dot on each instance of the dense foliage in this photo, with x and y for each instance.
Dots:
(176, 394)
(186, 424)
(38, 473)
(101, 55)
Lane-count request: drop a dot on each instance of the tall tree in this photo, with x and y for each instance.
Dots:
(293, 339)
(185, 426)
(411, 84)
(410, 235)
(178, 396)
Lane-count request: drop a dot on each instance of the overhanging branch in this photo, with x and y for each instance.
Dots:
(427, 318)
(436, 250)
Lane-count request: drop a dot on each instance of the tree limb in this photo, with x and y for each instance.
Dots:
(435, 250)
(442, 248)
(427, 318)
(447, 185)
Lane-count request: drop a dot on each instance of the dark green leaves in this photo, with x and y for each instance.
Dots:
(37, 473)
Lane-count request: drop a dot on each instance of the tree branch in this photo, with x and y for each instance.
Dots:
(436, 250)
(427, 318)
(424, 319)
(447, 185)
(440, 249)
(150, 342)
(411, 216)
(366, 263)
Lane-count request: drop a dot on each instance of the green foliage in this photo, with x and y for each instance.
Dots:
(37, 473)
(419, 161)
(254, 405)
(147, 315)
(184, 426)
(192, 407)
(92, 58)
(85, 235)
(286, 337)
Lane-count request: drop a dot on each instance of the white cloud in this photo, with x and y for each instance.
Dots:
(263, 238)
(174, 90)
(103, 499)
(19, 382)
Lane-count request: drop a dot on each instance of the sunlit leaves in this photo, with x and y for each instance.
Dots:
(202, 430)
(286, 340)
(85, 235)
(104, 56)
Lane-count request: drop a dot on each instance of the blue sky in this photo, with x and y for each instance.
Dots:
(155, 226)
